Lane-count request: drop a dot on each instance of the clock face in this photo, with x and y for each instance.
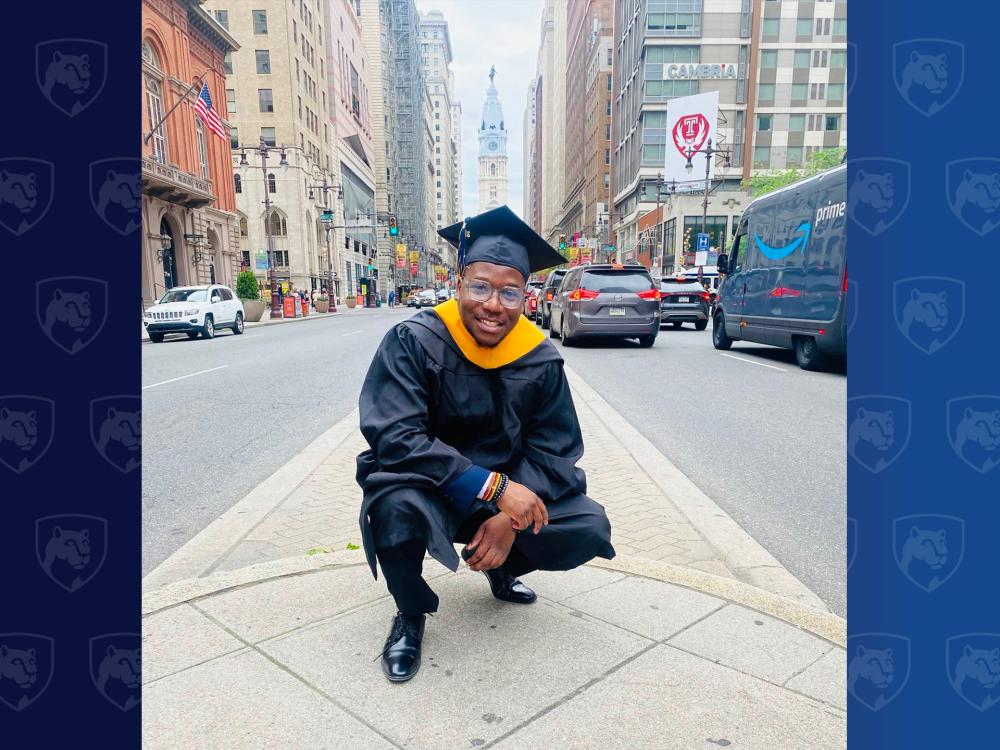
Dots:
(493, 145)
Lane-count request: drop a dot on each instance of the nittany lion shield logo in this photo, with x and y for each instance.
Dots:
(878, 192)
(972, 187)
(878, 668)
(928, 72)
(116, 430)
(115, 668)
(972, 661)
(27, 661)
(71, 310)
(115, 193)
(71, 548)
(27, 424)
(852, 541)
(878, 430)
(71, 72)
(974, 430)
(26, 189)
(929, 310)
(928, 548)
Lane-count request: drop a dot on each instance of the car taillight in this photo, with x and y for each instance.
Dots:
(579, 294)
(843, 287)
(705, 296)
(649, 294)
(548, 296)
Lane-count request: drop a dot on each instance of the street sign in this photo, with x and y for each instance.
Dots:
(702, 242)
(326, 217)
(701, 258)
(260, 260)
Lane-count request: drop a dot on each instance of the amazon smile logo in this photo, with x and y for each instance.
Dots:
(777, 253)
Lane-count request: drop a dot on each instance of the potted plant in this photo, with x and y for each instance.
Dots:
(322, 303)
(351, 302)
(248, 290)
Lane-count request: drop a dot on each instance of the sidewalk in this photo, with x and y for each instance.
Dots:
(285, 655)
(264, 630)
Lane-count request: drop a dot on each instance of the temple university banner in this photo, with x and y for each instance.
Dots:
(691, 122)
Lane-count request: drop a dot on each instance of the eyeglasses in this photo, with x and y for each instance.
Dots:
(511, 297)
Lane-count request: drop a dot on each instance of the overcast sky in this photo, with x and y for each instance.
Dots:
(503, 33)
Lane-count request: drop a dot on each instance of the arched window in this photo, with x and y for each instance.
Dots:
(153, 81)
(237, 183)
(278, 226)
(493, 170)
(199, 137)
(244, 227)
(272, 183)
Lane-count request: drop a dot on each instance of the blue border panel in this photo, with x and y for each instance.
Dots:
(923, 388)
(70, 386)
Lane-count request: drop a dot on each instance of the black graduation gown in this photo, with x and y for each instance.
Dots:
(429, 413)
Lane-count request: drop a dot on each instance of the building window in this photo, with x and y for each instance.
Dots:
(833, 121)
(266, 100)
(263, 61)
(154, 103)
(222, 16)
(234, 138)
(278, 226)
(259, 21)
(237, 183)
(607, 109)
(676, 24)
(765, 93)
(607, 156)
(761, 156)
(794, 156)
(796, 123)
(355, 93)
(769, 28)
(763, 122)
(268, 135)
(835, 93)
(822, 27)
(839, 27)
(820, 58)
(227, 64)
(245, 258)
(801, 59)
(817, 91)
(769, 59)
(272, 183)
(493, 171)
(838, 59)
(609, 82)
(799, 92)
(199, 138)
(244, 227)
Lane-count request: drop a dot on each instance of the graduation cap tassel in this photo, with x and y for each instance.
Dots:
(463, 235)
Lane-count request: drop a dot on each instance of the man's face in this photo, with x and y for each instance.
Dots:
(489, 321)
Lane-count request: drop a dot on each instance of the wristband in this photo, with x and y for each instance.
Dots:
(498, 489)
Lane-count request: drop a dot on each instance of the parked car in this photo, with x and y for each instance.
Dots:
(548, 293)
(683, 301)
(426, 298)
(785, 277)
(442, 295)
(606, 299)
(411, 299)
(531, 299)
(194, 310)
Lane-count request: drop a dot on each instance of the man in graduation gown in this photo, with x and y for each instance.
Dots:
(473, 439)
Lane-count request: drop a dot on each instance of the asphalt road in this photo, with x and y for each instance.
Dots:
(762, 438)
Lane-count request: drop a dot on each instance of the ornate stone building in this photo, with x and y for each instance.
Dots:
(190, 228)
(492, 152)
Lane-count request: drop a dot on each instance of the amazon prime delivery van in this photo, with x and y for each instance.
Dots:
(785, 278)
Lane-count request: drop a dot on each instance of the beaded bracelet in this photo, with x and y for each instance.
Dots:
(498, 490)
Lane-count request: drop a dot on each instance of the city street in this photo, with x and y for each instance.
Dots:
(227, 413)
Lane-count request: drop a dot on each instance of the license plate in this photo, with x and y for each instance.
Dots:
(683, 299)
(617, 312)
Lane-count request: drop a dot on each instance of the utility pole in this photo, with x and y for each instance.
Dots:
(327, 220)
(709, 152)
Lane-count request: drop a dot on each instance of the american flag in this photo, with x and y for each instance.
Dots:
(203, 106)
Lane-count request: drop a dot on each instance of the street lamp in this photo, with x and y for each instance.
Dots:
(326, 218)
(709, 152)
(263, 149)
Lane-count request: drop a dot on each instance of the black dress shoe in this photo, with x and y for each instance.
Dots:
(401, 655)
(506, 588)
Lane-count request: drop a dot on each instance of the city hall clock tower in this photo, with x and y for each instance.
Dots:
(492, 152)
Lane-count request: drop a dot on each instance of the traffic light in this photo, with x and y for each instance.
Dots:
(562, 242)
(393, 229)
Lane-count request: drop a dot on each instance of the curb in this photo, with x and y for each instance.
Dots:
(825, 625)
(739, 551)
(312, 316)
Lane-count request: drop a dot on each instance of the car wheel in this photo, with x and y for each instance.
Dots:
(156, 338)
(566, 340)
(552, 330)
(701, 325)
(238, 325)
(208, 330)
(545, 321)
(193, 335)
(646, 341)
(720, 339)
(807, 353)
(676, 323)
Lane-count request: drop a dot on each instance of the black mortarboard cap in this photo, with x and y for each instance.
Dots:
(500, 237)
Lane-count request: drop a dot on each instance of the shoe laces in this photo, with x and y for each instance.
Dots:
(401, 625)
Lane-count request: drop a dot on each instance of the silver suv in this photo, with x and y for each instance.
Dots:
(606, 299)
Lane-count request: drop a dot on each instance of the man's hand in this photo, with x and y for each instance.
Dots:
(492, 543)
(523, 506)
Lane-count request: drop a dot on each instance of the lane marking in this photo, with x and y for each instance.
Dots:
(182, 377)
(352, 333)
(759, 364)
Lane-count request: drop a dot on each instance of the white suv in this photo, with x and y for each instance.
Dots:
(194, 310)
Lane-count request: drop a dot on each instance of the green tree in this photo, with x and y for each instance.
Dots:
(246, 286)
(766, 182)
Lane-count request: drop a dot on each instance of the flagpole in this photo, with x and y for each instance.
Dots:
(198, 79)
